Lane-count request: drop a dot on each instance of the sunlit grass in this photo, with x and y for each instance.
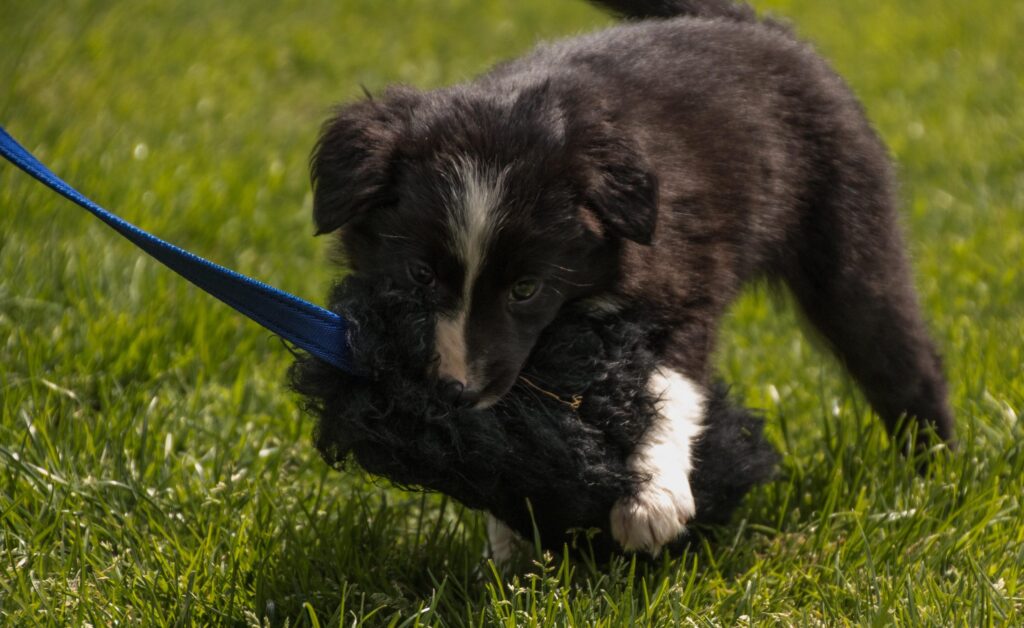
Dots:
(155, 469)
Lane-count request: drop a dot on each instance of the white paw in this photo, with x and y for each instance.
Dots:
(656, 516)
(664, 503)
(503, 544)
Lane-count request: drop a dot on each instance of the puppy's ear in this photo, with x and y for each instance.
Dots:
(617, 184)
(352, 165)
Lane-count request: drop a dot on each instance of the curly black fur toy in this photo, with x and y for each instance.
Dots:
(559, 439)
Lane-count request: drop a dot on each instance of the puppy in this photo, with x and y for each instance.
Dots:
(665, 162)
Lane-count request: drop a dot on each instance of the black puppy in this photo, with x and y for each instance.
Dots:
(552, 455)
(659, 166)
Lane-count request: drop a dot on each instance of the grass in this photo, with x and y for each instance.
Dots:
(155, 469)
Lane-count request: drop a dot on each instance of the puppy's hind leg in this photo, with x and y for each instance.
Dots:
(852, 280)
(663, 504)
(504, 545)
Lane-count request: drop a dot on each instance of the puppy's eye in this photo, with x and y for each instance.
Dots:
(524, 289)
(421, 273)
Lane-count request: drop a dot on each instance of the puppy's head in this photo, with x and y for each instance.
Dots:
(504, 206)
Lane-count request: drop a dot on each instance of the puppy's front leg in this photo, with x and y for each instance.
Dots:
(663, 504)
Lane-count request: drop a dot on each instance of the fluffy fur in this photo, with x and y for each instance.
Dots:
(663, 163)
(648, 171)
(570, 463)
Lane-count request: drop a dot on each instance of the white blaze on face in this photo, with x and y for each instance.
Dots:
(474, 215)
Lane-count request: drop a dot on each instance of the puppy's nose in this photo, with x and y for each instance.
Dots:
(451, 390)
(455, 393)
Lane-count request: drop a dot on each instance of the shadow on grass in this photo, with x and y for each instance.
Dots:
(382, 555)
(378, 555)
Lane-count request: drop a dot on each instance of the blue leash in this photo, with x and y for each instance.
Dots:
(309, 327)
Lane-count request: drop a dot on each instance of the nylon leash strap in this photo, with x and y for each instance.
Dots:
(310, 327)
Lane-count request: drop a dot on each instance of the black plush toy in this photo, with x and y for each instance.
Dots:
(560, 438)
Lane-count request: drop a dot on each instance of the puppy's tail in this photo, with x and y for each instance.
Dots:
(710, 9)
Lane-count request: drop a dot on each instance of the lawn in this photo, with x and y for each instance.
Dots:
(155, 469)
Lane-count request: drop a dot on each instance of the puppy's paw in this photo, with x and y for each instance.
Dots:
(663, 504)
(504, 546)
(655, 516)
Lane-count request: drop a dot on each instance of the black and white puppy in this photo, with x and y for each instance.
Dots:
(664, 162)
